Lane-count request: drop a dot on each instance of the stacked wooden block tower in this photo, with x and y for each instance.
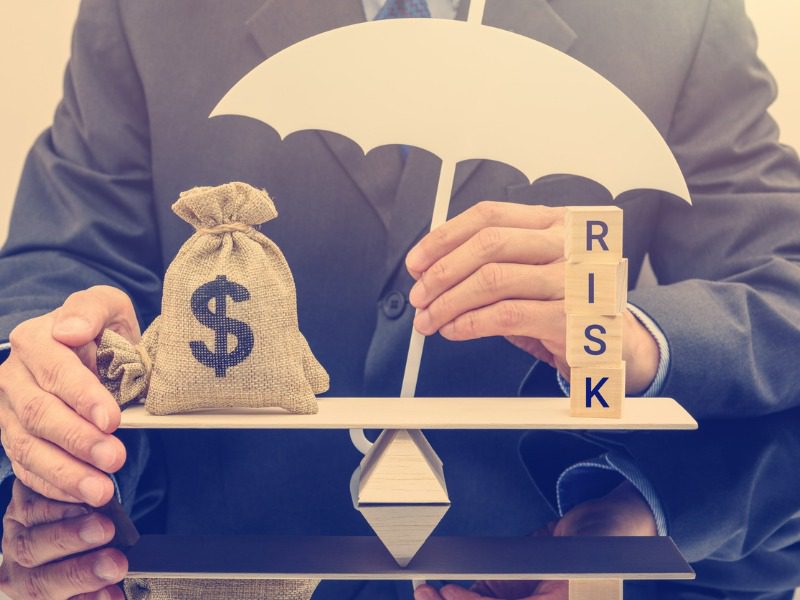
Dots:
(596, 285)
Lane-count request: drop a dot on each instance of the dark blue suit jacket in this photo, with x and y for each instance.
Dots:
(132, 132)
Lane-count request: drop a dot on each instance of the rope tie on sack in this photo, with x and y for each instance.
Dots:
(225, 228)
(147, 362)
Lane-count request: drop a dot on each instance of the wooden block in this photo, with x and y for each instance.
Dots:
(597, 391)
(593, 234)
(403, 528)
(402, 467)
(422, 413)
(594, 340)
(595, 589)
(596, 289)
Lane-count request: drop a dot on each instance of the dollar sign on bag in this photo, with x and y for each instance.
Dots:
(220, 359)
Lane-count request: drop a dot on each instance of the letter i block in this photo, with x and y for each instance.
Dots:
(597, 391)
(593, 234)
(594, 340)
(596, 289)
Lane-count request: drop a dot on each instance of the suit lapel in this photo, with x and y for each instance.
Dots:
(414, 204)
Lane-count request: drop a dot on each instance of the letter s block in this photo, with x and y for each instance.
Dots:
(594, 340)
(593, 234)
(597, 391)
(596, 289)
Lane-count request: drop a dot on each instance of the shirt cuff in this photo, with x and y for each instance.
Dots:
(596, 477)
(663, 355)
(5, 350)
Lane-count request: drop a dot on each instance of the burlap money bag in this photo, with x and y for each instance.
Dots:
(219, 589)
(228, 334)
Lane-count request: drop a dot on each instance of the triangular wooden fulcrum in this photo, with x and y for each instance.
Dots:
(402, 468)
(403, 528)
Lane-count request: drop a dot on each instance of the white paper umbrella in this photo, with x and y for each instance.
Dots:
(460, 90)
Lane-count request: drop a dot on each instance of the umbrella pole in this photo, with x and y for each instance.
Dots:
(440, 208)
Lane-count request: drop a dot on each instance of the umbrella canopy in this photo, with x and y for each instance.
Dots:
(461, 91)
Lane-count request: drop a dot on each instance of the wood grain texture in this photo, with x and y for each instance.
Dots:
(579, 346)
(328, 557)
(609, 288)
(575, 234)
(598, 589)
(403, 528)
(402, 467)
(423, 413)
(584, 404)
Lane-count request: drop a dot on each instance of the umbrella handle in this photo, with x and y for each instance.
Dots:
(476, 10)
(440, 208)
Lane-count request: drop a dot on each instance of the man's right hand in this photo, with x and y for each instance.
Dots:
(56, 418)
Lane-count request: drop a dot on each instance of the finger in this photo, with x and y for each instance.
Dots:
(489, 245)
(531, 318)
(39, 545)
(42, 486)
(456, 592)
(426, 592)
(111, 592)
(490, 284)
(85, 314)
(29, 508)
(551, 590)
(43, 415)
(449, 236)
(80, 575)
(59, 371)
(45, 460)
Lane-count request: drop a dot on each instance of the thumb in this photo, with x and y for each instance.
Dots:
(85, 314)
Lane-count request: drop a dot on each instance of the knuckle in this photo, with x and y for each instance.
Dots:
(441, 308)
(20, 334)
(19, 448)
(437, 275)
(27, 510)
(33, 411)
(469, 325)
(440, 236)
(509, 315)
(488, 241)
(111, 293)
(74, 440)
(34, 586)
(490, 277)
(75, 575)
(487, 210)
(51, 374)
(23, 550)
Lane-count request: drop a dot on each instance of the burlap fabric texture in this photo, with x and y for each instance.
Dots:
(228, 334)
(219, 589)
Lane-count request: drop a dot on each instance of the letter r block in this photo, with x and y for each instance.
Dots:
(597, 391)
(593, 234)
(596, 289)
(594, 340)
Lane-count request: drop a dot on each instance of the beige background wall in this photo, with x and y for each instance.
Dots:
(34, 45)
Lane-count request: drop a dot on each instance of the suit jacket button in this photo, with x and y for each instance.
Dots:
(393, 304)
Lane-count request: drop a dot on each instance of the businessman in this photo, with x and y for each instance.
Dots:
(92, 233)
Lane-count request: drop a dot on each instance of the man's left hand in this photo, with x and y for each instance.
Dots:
(497, 269)
(622, 512)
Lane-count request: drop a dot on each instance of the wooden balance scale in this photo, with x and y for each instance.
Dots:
(400, 485)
